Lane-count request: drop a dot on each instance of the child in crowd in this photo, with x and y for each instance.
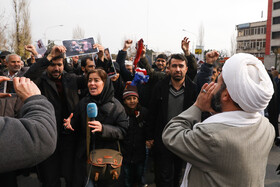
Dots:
(134, 149)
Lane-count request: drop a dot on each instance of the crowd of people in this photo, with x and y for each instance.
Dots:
(153, 120)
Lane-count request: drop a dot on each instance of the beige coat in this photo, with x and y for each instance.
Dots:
(221, 155)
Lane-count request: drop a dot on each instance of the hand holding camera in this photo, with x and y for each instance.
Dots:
(2, 95)
(23, 87)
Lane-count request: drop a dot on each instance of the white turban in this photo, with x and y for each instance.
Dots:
(128, 63)
(247, 81)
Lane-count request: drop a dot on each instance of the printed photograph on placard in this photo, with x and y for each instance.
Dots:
(40, 47)
(111, 70)
(79, 47)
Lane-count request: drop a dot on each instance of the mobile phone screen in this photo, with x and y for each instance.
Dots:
(9, 87)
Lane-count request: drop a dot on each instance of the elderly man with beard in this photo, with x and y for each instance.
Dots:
(231, 147)
(61, 89)
(172, 95)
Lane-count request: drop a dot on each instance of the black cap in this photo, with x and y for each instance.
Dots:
(4, 53)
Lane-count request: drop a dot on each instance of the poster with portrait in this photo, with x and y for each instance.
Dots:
(111, 70)
(79, 47)
(40, 47)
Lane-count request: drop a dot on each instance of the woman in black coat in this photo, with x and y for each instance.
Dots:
(107, 129)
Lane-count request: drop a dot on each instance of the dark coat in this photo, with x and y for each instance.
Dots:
(114, 120)
(126, 75)
(63, 105)
(204, 75)
(159, 106)
(134, 144)
(145, 90)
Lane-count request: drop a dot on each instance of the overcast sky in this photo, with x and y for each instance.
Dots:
(159, 22)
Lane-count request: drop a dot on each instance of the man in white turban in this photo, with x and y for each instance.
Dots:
(231, 147)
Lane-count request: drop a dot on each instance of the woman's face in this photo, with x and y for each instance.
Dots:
(95, 84)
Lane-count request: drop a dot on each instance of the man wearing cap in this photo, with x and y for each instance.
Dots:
(231, 147)
(129, 65)
(3, 55)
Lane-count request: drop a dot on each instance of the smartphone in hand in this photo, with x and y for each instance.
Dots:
(9, 87)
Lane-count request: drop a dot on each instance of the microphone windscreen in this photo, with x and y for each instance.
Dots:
(92, 110)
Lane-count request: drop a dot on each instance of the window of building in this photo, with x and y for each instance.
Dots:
(253, 44)
(262, 30)
(256, 30)
(241, 33)
(252, 31)
(276, 35)
(276, 5)
(276, 20)
(247, 32)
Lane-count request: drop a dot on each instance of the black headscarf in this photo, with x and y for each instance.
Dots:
(105, 96)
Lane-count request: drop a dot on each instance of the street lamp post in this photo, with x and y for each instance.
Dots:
(45, 33)
(200, 56)
(193, 42)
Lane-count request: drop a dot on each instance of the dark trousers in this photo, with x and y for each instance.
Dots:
(59, 164)
(133, 173)
(168, 168)
(8, 179)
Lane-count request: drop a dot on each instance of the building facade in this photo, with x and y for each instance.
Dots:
(273, 27)
(251, 38)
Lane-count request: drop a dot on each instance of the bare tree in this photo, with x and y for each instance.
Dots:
(233, 44)
(78, 33)
(22, 30)
(3, 33)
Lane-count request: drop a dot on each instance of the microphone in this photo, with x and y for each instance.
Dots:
(92, 111)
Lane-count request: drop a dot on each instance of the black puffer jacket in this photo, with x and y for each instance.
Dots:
(114, 120)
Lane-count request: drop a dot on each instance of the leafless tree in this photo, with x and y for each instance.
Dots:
(3, 33)
(22, 29)
(78, 33)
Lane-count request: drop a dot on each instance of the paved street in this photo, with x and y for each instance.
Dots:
(271, 180)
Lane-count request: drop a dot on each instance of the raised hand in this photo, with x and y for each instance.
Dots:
(127, 44)
(31, 49)
(56, 51)
(203, 101)
(185, 45)
(212, 56)
(101, 51)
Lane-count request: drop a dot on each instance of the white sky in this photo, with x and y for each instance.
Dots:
(159, 22)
